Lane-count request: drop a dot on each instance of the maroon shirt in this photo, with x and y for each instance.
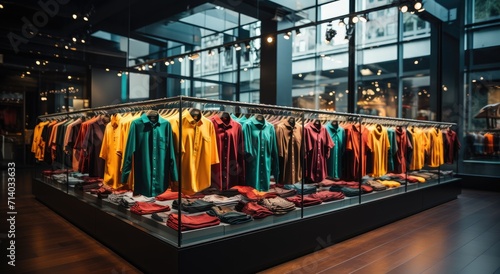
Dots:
(317, 144)
(230, 171)
(403, 144)
(451, 146)
(356, 155)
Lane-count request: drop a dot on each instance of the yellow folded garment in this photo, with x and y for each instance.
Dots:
(390, 184)
(418, 178)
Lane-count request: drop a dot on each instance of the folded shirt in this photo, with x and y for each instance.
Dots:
(253, 209)
(192, 205)
(302, 189)
(222, 200)
(389, 184)
(329, 182)
(277, 205)
(142, 208)
(189, 222)
(228, 215)
(376, 185)
(283, 192)
(253, 194)
(327, 196)
(307, 201)
(168, 195)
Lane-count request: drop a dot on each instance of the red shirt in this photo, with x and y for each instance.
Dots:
(356, 151)
(318, 144)
(403, 144)
(230, 171)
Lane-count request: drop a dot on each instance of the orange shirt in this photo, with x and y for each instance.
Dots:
(108, 152)
(436, 147)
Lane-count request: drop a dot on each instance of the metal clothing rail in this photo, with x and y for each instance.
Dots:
(182, 101)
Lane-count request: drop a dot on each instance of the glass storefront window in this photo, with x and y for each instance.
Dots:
(486, 10)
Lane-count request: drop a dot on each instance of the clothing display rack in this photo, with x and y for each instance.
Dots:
(353, 206)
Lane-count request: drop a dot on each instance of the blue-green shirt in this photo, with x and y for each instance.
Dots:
(334, 163)
(151, 146)
(261, 153)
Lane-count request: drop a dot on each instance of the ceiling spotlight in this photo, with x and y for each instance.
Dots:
(330, 33)
(418, 5)
(354, 19)
(210, 52)
(83, 41)
(28, 72)
(237, 46)
(341, 22)
(403, 8)
(363, 18)
(119, 74)
(180, 59)
(69, 77)
(75, 16)
(270, 39)
(167, 63)
(247, 45)
(172, 62)
(86, 17)
(1, 6)
(107, 69)
(37, 62)
(194, 56)
(74, 39)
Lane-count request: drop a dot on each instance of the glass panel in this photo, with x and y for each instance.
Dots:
(486, 10)
(415, 27)
(333, 9)
(370, 4)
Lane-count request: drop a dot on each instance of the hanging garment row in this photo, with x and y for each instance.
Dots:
(141, 151)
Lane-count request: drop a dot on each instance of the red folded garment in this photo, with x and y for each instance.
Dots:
(168, 195)
(327, 196)
(142, 208)
(253, 194)
(308, 200)
(189, 222)
(256, 211)
(366, 189)
(328, 182)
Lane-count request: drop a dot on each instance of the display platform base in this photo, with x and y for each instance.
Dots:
(244, 253)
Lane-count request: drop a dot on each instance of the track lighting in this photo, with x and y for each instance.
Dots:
(330, 33)
(237, 46)
(411, 6)
(194, 56)
(354, 19)
(86, 17)
(247, 45)
(211, 52)
(75, 16)
(363, 18)
(341, 22)
(287, 35)
(297, 32)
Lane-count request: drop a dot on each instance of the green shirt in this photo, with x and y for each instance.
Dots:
(151, 146)
(261, 153)
(334, 164)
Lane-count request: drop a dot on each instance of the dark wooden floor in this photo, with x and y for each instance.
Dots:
(462, 236)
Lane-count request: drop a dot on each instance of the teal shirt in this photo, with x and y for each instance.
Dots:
(392, 150)
(261, 153)
(334, 163)
(152, 148)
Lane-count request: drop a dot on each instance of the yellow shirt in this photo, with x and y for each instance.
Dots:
(436, 147)
(38, 145)
(124, 127)
(198, 151)
(420, 147)
(108, 152)
(390, 184)
(378, 142)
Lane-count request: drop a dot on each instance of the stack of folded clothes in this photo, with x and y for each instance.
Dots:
(253, 209)
(190, 222)
(283, 193)
(213, 190)
(222, 200)
(307, 201)
(327, 196)
(142, 208)
(253, 194)
(277, 205)
(389, 183)
(302, 189)
(128, 201)
(168, 195)
(350, 189)
(192, 205)
(376, 185)
(426, 175)
(228, 215)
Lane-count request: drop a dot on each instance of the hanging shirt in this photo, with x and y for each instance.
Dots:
(150, 144)
(38, 145)
(420, 145)
(92, 143)
(112, 174)
(391, 165)
(451, 146)
(121, 145)
(356, 151)
(261, 153)
(404, 146)
(435, 148)
(318, 145)
(378, 141)
(289, 142)
(198, 151)
(231, 169)
(334, 163)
